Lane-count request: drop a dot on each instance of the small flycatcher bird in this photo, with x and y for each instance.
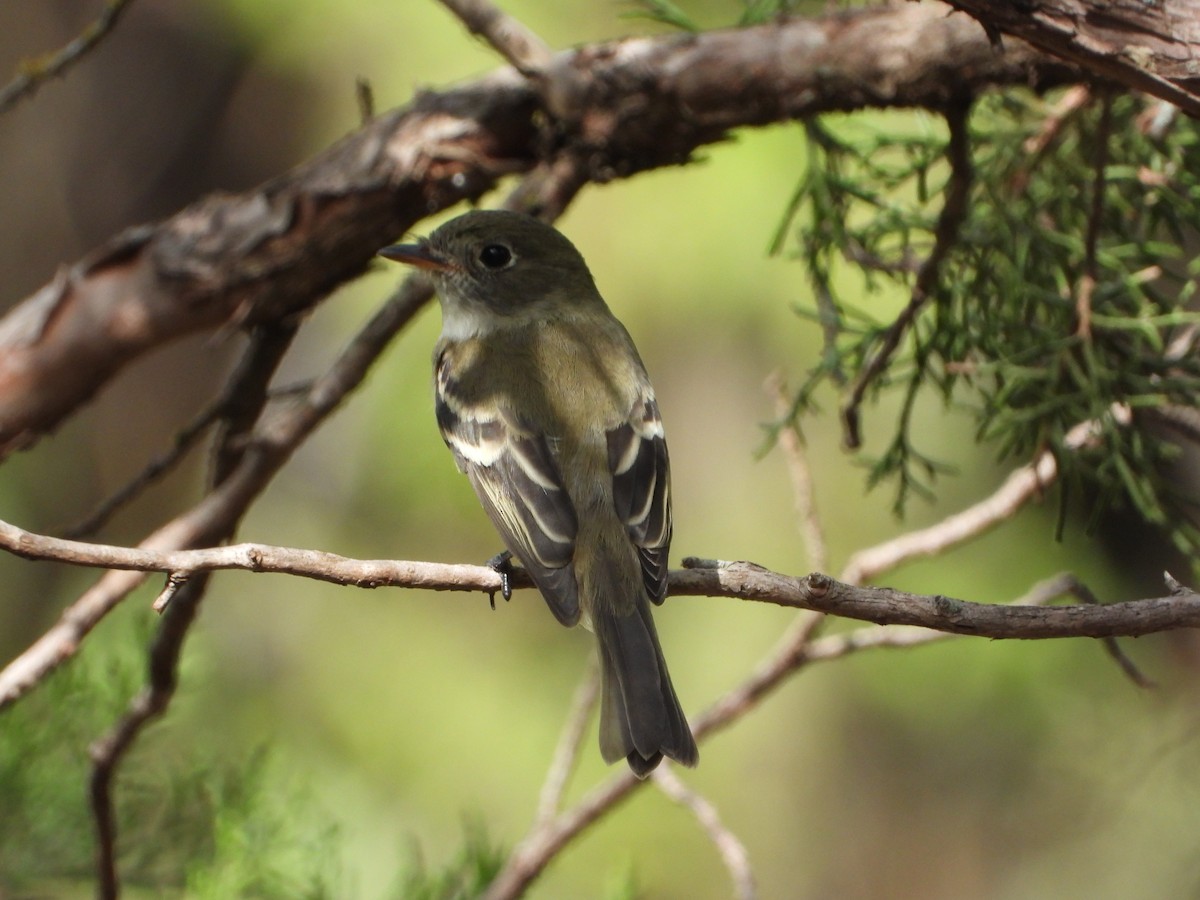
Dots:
(542, 398)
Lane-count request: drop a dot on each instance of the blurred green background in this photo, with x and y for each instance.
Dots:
(965, 769)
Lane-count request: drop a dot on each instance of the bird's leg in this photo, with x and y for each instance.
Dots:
(501, 564)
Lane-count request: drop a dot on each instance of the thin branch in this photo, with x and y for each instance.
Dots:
(549, 187)
(791, 442)
(364, 96)
(700, 577)
(1036, 146)
(517, 44)
(1084, 594)
(535, 851)
(159, 466)
(33, 73)
(566, 754)
(731, 850)
(246, 395)
(888, 606)
(279, 436)
(1090, 276)
(1023, 485)
(945, 234)
(151, 702)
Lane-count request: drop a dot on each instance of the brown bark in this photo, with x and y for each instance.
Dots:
(620, 108)
(1153, 47)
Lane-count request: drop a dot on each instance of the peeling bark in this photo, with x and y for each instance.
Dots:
(620, 108)
(1148, 46)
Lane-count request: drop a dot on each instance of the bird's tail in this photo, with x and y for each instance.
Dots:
(640, 716)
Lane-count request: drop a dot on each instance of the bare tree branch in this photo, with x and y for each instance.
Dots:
(1151, 47)
(247, 394)
(520, 47)
(263, 454)
(626, 107)
(33, 73)
(887, 606)
(1019, 488)
(791, 442)
(185, 439)
(151, 702)
(708, 578)
(731, 850)
(534, 852)
(566, 754)
(1068, 585)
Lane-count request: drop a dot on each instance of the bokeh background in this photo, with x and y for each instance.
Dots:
(377, 723)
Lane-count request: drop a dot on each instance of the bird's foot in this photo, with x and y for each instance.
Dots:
(501, 564)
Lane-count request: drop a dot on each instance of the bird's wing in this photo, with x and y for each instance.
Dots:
(517, 480)
(641, 473)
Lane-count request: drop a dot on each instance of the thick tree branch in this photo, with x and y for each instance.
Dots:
(1152, 47)
(619, 108)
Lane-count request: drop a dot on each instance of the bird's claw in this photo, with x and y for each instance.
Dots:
(501, 564)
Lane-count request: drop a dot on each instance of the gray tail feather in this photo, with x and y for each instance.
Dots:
(640, 716)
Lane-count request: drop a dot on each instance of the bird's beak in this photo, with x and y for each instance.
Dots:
(419, 255)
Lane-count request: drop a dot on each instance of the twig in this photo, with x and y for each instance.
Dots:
(534, 852)
(365, 96)
(1019, 488)
(888, 606)
(945, 234)
(531, 856)
(1072, 100)
(279, 437)
(246, 396)
(731, 849)
(1084, 594)
(792, 444)
(709, 578)
(151, 702)
(520, 47)
(811, 533)
(33, 73)
(566, 754)
(231, 399)
(160, 465)
(1090, 276)
(272, 444)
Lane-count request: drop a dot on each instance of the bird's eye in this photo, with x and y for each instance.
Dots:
(495, 256)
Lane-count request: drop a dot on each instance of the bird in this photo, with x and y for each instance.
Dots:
(542, 398)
